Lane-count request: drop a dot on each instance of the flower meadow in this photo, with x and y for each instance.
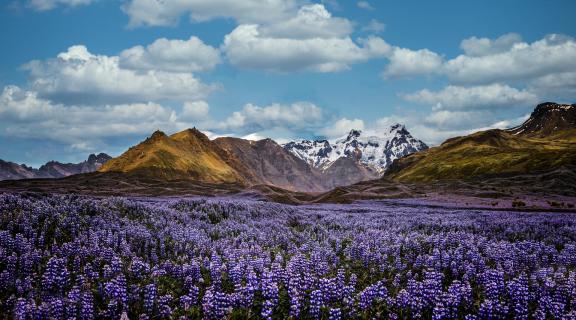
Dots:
(70, 257)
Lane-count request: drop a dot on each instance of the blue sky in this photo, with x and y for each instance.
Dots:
(84, 76)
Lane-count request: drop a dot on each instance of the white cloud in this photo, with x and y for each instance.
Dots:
(45, 5)
(246, 47)
(311, 21)
(375, 26)
(522, 61)
(342, 127)
(477, 97)
(311, 40)
(364, 5)
(563, 83)
(23, 114)
(166, 13)
(478, 47)
(195, 110)
(448, 119)
(78, 76)
(171, 55)
(253, 118)
(406, 63)
(504, 60)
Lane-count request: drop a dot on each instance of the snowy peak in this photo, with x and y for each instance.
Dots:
(315, 152)
(373, 148)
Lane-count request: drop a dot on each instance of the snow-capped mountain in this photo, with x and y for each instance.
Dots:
(375, 149)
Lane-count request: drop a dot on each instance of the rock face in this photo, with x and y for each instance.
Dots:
(375, 150)
(52, 169)
(273, 165)
(548, 118)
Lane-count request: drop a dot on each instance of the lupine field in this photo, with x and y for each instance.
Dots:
(66, 257)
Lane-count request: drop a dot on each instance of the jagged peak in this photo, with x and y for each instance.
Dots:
(400, 128)
(97, 157)
(354, 133)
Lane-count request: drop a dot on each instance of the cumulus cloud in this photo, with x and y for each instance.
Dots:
(406, 63)
(195, 110)
(342, 127)
(476, 97)
(311, 21)
(514, 61)
(506, 59)
(365, 5)
(24, 114)
(563, 84)
(78, 76)
(311, 40)
(478, 47)
(166, 13)
(253, 118)
(45, 5)
(274, 35)
(171, 55)
(246, 47)
(448, 119)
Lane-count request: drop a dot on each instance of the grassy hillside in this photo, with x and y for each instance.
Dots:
(487, 153)
(187, 154)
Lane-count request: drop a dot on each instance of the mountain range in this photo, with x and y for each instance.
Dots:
(52, 169)
(191, 155)
(374, 149)
(539, 156)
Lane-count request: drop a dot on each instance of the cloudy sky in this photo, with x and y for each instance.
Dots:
(84, 76)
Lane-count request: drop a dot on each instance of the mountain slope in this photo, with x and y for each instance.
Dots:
(373, 149)
(52, 169)
(546, 141)
(548, 118)
(345, 171)
(185, 155)
(272, 164)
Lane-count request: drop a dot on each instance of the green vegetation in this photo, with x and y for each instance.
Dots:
(485, 154)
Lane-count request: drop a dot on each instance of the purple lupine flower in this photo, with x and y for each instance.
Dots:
(87, 306)
(164, 305)
(21, 309)
(335, 314)
(150, 297)
(316, 303)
